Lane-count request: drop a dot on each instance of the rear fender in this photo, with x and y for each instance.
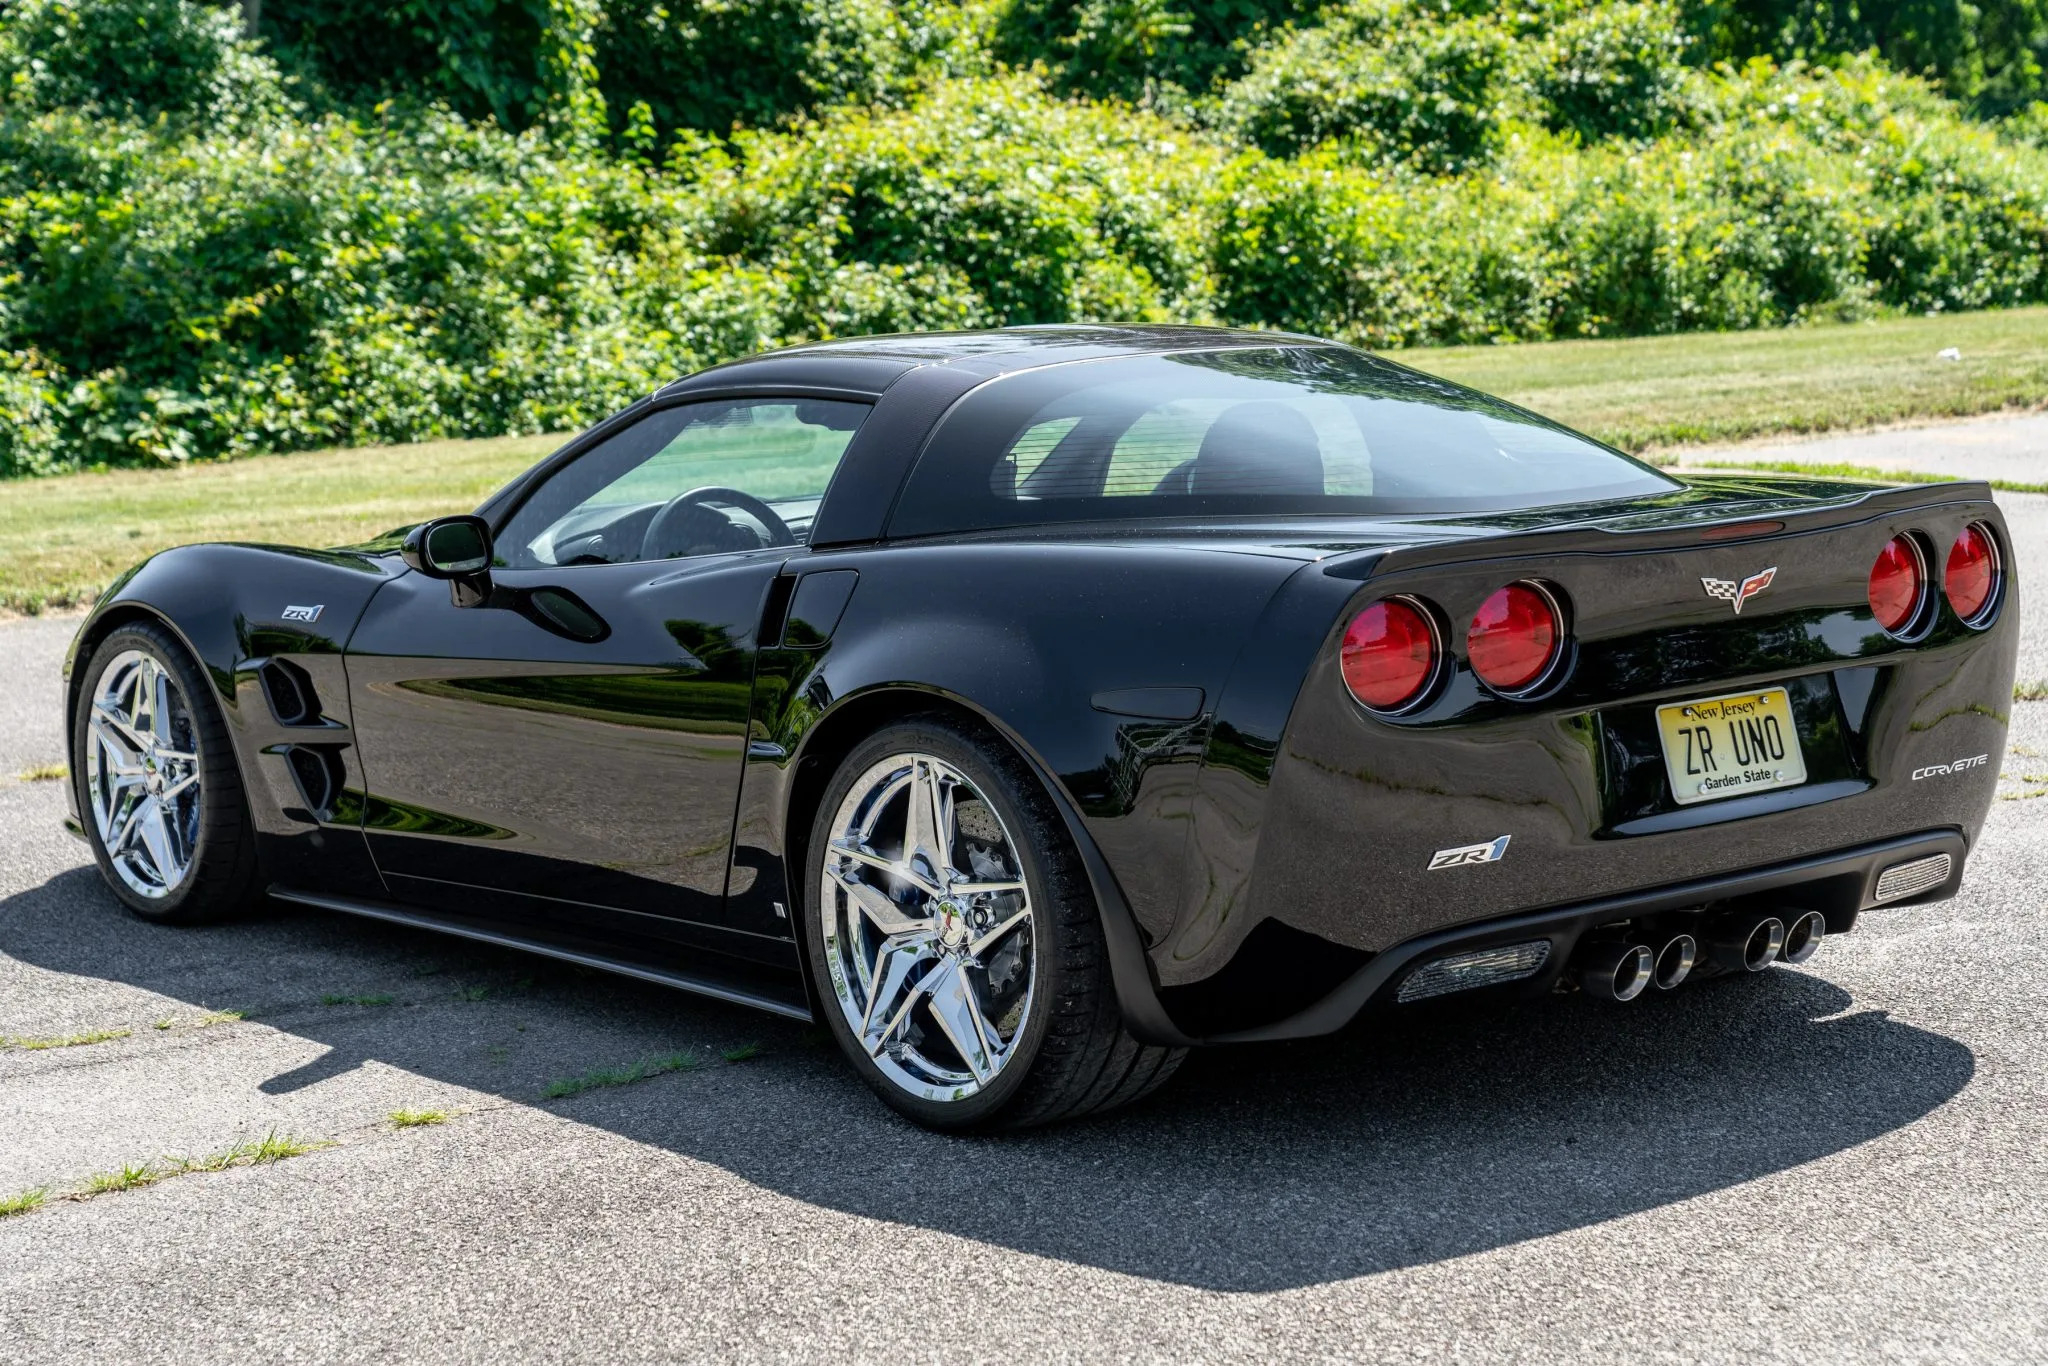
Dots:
(1099, 665)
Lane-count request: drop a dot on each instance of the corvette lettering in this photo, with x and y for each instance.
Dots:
(1738, 593)
(1956, 766)
(1469, 853)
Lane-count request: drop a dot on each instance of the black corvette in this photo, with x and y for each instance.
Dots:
(1033, 704)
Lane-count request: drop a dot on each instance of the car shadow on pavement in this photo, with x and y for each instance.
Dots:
(1407, 1140)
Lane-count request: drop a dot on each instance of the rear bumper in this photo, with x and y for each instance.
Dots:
(1840, 885)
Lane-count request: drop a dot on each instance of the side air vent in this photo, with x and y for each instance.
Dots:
(290, 693)
(317, 770)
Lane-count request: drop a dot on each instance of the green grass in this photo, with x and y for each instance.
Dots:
(2033, 691)
(1646, 392)
(22, 1202)
(90, 1036)
(44, 773)
(63, 539)
(417, 1119)
(129, 1177)
(746, 1052)
(373, 998)
(272, 1147)
(620, 1076)
(1837, 469)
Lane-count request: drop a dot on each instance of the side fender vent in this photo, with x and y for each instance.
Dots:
(318, 772)
(290, 693)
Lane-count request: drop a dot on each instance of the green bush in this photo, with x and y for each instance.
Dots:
(984, 201)
(1132, 48)
(1612, 71)
(405, 222)
(128, 58)
(711, 64)
(1383, 70)
(31, 406)
(510, 60)
(1992, 54)
(1376, 258)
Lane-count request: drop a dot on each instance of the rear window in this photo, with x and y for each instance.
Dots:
(1285, 430)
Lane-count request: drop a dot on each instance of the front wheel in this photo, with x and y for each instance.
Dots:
(956, 947)
(158, 791)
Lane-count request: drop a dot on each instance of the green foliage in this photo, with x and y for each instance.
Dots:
(127, 58)
(713, 64)
(1133, 48)
(1383, 259)
(409, 220)
(1386, 71)
(1612, 71)
(1806, 195)
(984, 203)
(1992, 53)
(511, 60)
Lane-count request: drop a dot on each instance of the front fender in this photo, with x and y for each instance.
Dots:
(227, 604)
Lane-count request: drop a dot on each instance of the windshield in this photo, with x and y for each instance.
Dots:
(1281, 430)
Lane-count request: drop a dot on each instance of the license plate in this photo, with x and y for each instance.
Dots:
(1726, 746)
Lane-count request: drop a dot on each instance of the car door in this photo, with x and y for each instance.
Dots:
(561, 753)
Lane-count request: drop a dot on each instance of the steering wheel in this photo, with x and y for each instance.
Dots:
(675, 509)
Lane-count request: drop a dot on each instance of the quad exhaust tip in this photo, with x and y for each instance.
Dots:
(1742, 944)
(1675, 960)
(1616, 970)
(1802, 938)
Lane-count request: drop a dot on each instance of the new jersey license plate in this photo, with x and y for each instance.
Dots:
(1725, 746)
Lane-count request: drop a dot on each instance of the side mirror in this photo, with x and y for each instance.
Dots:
(454, 548)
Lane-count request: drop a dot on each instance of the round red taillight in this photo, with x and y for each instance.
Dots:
(1898, 581)
(1515, 637)
(1390, 654)
(1972, 574)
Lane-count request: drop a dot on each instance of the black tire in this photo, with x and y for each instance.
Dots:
(222, 879)
(1076, 1056)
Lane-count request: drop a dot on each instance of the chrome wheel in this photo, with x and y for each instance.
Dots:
(142, 773)
(927, 928)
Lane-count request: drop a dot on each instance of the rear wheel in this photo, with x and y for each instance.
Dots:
(157, 787)
(955, 944)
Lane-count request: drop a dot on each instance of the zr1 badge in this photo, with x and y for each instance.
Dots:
(1469, 853)
(310, 613)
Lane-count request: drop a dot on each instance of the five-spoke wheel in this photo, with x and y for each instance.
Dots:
(142, 773)
(155, 779)
(954, 940)
(927, 927)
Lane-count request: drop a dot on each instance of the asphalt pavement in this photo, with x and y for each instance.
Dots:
(1842, 1162)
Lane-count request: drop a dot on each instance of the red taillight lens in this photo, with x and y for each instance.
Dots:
(1515, 637)
(1389, 654)
(1897, 582)
(1972, 574)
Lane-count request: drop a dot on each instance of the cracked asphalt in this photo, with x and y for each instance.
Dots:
(1846, 1162)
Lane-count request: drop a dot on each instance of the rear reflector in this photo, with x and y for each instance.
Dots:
(1484, 968)
(1971, 577)
(1898, 584)
(1514, 637)
(1911, 879)
(1390, 654)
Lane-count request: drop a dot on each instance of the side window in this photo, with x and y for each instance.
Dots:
(700, 479)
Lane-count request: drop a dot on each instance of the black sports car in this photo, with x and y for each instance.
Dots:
(1034, 704)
